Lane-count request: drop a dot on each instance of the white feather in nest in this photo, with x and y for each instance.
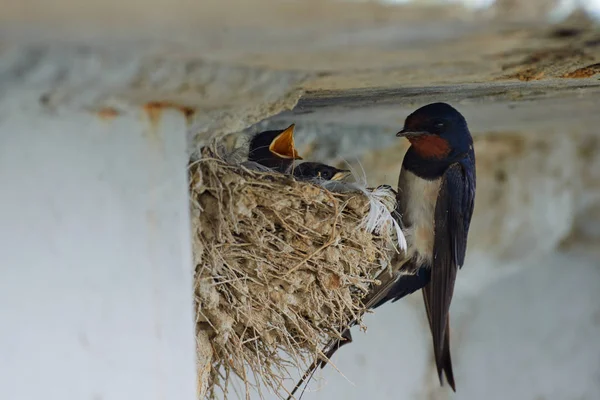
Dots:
(379, 220)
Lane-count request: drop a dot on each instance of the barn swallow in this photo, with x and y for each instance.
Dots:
(274, 149)
(435, 199)
(316, 170)
(434, 204)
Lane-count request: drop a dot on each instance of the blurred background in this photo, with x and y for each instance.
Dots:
(525, 73)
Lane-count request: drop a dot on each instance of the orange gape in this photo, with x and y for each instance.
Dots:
(283, 145)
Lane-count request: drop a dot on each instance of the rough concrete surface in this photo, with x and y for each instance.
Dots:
(348, 73)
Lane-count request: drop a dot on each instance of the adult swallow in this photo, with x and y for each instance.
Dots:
(436, 193)
(274, 149)
(316, 170)
(434, 202)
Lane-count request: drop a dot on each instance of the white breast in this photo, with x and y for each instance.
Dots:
(419, 197)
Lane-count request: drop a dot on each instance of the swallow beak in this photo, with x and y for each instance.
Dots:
(283, 145)
(407, 133)
(340, 175)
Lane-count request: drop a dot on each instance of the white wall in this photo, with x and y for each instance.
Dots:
(95, 260)
(533, 335)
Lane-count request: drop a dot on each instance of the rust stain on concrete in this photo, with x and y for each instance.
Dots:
(108, 113)
(585, 72)
(154, 110)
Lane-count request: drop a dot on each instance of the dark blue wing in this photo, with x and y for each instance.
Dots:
(454, 209)
(453, 212)
(404, 285)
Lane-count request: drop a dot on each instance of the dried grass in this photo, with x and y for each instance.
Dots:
(281, 268)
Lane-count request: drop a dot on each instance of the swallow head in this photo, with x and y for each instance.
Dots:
(315, 170)
(338, 174)
(437, 131)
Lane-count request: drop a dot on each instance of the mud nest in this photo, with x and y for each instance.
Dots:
(281, 267)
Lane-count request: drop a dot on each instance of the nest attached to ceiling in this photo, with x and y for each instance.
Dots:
(281, 267)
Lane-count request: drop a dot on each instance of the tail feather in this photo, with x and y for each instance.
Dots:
(441, 349)
(445, 363)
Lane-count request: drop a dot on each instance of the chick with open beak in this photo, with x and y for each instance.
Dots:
(274, 149)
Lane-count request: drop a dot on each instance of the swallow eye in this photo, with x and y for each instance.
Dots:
(440, 125)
